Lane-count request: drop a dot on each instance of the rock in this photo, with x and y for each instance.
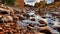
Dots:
(41, 25)
(7, 25)
(44, 17)
(26, 15)
(2, 33)
(21, 17)
(1, 28)
(53, 14)
(33, 19)
(1, 21)
(7, 18)
(58, 17)
(40, 33)
(42, 22)
(6, 30)
(8, 33)
(10, 18)
(44, 30)
(58, 28)
(27, 8)
(13, 27)
(1, 24)
(1, 16)
(12, 24)
(15, 31)
(3, 12)
(29, 27)
(51, 23)
(31, 24)
(41, 13)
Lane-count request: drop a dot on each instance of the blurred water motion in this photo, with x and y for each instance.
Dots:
(32, 2)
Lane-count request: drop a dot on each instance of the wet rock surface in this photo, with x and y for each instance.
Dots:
(29, 21)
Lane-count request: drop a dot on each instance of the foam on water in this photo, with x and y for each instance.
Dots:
(32, 2)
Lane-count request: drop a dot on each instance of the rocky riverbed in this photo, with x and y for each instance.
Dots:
(30, 20)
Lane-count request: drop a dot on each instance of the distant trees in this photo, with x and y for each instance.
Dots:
(9, 2)
(56, 0)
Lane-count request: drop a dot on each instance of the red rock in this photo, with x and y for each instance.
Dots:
(15, 31)
(2, 33)
(6, 30)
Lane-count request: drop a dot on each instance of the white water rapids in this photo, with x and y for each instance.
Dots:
(32, 2)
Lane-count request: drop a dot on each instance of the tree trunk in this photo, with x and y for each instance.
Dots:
(19, 3)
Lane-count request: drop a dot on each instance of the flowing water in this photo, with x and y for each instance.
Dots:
(25, 23)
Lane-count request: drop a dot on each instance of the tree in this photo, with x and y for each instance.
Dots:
(8, 2)
(3, 1)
